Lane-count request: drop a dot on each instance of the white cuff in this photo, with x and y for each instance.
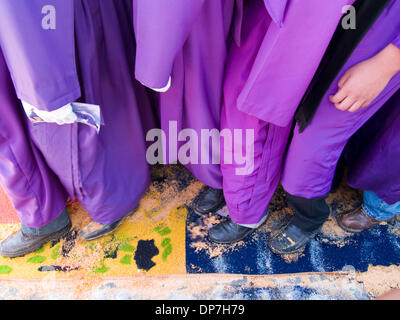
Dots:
(166, 88)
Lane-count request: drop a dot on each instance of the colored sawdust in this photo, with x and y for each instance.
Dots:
(160, 219)
(379, 279)
(394, 226)
(167, 192)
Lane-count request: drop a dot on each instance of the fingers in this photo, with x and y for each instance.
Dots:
(345, 104)
(357, 105)
(338, 97)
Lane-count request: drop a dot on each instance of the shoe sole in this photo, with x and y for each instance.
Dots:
(54, 236)
(287, 253)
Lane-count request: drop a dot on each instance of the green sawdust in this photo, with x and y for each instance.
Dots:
(41, 250)
(122, 238)
(36, 259)
(167, 252)
(126, 259)
(127, 248)
(162, 231)
(55, 252)
(165, 242)
(5, 269)
(102, 269)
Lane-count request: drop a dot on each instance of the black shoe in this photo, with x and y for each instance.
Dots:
(96, 230)
(20, 244)
(209, 200)
(291, 239)
(228, 232)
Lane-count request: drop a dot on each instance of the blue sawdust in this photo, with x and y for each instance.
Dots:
(377, 246)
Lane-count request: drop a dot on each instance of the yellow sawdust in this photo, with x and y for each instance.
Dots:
(89, 257)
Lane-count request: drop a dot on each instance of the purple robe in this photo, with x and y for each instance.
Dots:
(373, 154)
(186, 40)
(278, 49)
(313, 154)
(107, 173)
(35, 191)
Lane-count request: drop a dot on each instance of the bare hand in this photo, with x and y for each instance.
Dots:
(363, 83)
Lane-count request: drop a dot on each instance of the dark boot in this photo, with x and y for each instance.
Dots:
(20, 244)
(209, 200)
(291, 239)
(96, 230)
(228, 232)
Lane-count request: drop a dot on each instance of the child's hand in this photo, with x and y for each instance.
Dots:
(361, 84)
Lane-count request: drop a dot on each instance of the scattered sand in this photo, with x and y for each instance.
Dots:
(379, 280)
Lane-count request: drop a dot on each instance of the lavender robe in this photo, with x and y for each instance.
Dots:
(107, 173)
(186, 40)
(278, 49)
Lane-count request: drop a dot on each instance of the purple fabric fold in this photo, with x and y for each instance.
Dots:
(276, 9)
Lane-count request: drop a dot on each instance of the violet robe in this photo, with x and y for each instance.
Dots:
(279, 46)
(373, 154)
(313, 154)
(107, 173)
(35, 191)
(186, 40)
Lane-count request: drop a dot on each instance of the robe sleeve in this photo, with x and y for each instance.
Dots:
(161, 29)
(37, 40)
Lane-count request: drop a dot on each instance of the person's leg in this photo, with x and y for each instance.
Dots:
(372, 212)
(310, 166)
(248, 183)
(106, 172)
(313, 154)
(113, 170)
(378, 209)
(311, 162)
(35, 192)
(194, 100)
